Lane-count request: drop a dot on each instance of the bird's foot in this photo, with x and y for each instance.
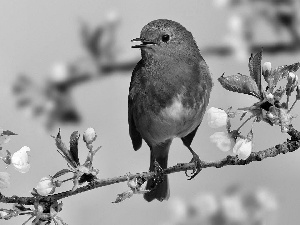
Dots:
(196, 160)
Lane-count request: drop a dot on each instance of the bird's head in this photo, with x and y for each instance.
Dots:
(166, 37)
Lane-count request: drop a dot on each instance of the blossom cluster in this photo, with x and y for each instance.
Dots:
(273, 106)
(233, 207)
(44, 213)
(227, 140)
(19, 159)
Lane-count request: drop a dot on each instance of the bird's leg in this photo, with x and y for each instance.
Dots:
(197, 162)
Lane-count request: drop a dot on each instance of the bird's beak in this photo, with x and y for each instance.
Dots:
(144, 43)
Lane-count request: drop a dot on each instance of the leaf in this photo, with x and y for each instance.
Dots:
(64, 151)
(8, 133)
(74, 146)
(281, 72)
(255, 68)
(241, 84)
(243, 115)
(61, 172)
(121, 197)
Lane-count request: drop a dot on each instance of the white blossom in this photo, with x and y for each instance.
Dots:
(216, 117)
(45, 186)
(20, 160)
(233, 209)
(243, 148)
(223, 140)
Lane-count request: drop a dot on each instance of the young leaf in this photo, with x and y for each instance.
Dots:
(64, 151)
(8, 133)
(60, 173)
(281, 72)
(121, 197)
(74, 146)
(241, 84)
(255, 68)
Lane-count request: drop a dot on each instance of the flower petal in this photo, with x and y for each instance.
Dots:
(20, 160)
(216, 117)
(223, 140)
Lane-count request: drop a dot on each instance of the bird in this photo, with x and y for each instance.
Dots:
(169, 92)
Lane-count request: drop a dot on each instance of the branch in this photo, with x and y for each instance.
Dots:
(289, 146)
(225, 50)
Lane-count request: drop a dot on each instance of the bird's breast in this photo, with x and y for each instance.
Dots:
(175, 111)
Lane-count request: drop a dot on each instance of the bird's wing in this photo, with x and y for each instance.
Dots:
(136, 137)
(204, 95)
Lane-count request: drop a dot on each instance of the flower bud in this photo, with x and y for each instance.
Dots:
(270, 97)
(20, 160)
(224, 141)
(266, 70)
(292, 79)
(89, 136)
(216, 117)
(45, 186)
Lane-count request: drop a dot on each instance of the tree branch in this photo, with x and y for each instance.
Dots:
(289, 146)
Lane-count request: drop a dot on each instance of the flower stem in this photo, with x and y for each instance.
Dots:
(244, 123)
(67, 179)
(292, 105)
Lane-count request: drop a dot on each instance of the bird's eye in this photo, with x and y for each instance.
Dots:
(165, 38)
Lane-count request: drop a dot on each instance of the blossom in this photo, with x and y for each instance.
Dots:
(20, 160)
(179, 210)
(233, 209)
(60, 72)
(243, 148)
(4, 180)
(206, 205)
(216, 117)
(89, 135)
(3, 214)
(266, 200)
(45, 186)
(223, 140)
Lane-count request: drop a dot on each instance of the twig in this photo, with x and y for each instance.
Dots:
(289, 146)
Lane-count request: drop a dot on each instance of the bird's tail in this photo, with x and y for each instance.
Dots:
(161, 190)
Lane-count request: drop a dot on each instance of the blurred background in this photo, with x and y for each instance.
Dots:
(67, 64)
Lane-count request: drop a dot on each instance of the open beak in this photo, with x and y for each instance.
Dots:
(144, 43)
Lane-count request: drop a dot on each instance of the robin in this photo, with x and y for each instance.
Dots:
(168, 95)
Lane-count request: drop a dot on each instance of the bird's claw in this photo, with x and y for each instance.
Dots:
(196, 160)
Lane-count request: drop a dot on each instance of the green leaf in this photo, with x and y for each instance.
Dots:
(241, 84)
(121, 197)
(64, 151)
(61, 172)
(255, 68)
(74, 146)
(281, 72)
(8, 133)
